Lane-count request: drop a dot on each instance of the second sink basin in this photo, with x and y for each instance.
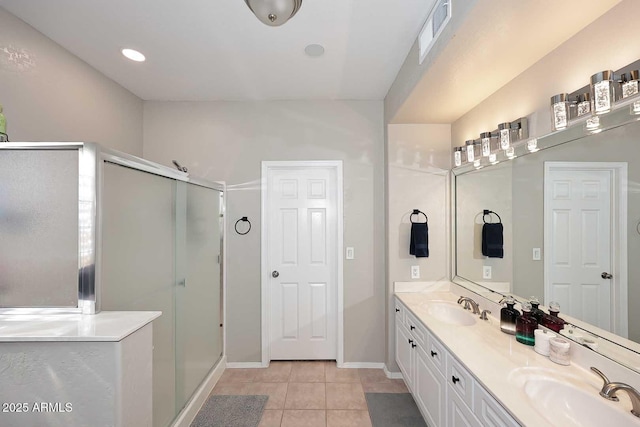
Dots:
(449, 312)
(568, 401)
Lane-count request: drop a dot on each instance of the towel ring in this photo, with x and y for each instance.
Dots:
(417, 212)
(243, 219)
(488, 212)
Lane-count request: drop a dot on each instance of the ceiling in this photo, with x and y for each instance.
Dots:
(217, 49)
(498, 41)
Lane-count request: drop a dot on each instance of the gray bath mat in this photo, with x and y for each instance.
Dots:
(231, 411)
(394, 410)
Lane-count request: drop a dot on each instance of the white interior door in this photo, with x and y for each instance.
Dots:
(579, 240)
(302, 261)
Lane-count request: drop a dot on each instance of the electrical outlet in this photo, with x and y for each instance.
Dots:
(350, 253)
(536, 254)
(415, 271)
(486, 272)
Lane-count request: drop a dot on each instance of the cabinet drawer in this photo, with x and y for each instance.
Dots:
(415, 327)
(460, 380)
(489, 411)
(436, 352)
(400, 310)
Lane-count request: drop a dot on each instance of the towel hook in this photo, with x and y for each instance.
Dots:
(243, 219)
(418, 212)
(488, 212)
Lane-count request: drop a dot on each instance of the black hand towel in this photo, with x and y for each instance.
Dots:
(419, 245)
(492, 240)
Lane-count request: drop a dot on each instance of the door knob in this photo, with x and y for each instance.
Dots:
(275, 274)
(606, 275)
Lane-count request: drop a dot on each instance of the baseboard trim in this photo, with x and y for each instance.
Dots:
(188, 414)
(246, 365)
(361, 365)
(392, 375)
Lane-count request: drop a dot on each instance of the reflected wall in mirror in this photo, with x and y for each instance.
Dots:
(579, 204)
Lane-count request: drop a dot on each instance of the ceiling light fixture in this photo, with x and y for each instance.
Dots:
(133, 55)
(274, 12)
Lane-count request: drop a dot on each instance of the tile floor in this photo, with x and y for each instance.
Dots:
(310, 394)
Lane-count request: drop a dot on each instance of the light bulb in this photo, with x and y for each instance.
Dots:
(505, 135)
(602, 91)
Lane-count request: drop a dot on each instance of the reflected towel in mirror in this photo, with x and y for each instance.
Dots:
(492, 240)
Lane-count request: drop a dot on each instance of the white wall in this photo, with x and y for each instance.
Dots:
(418, 162)
(48, 94)
(229, 140)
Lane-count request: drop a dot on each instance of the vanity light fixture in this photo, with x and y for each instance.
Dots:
(559, 111)
(493, 159)
(629, 83)
(532, 145)
(470, 151)
(635, 108)
(602, 91)
(274, 12)
(133, 55)
(477, 164)
(485, 138)
(510, 152)
(504, 129)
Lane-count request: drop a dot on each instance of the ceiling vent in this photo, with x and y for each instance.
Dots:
(438, 19)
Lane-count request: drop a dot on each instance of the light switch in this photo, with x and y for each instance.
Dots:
(415, 271)
(486, 272)
(350, 253)
(536, 254)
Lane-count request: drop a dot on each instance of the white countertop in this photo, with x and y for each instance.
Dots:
(491, 356)
(107, 326)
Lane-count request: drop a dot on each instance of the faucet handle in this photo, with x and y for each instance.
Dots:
(483, 315)
(604, 386)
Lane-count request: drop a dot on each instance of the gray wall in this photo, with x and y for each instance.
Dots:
(411, 71)
(228, 140)
(418, 162)
(48, 94)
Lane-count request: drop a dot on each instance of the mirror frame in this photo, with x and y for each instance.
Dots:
(614, 347)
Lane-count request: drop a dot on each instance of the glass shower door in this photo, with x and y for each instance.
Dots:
(198, 294)
(138, 232)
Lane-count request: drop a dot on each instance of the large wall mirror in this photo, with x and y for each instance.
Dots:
(571, 224)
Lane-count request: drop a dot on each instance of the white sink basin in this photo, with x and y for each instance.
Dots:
(568, 401)
(449, 312)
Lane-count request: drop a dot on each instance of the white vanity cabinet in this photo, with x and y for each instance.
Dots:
(444, 390)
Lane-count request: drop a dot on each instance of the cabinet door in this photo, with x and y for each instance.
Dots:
(429, 389)
(404, 354)
(489, 411)
(458, 413)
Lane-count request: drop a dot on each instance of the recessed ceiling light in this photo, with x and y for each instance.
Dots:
(314, 50)
(133, 55)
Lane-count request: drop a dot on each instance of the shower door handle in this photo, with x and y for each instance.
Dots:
(606, 275)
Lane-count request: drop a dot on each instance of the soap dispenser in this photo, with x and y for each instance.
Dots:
(508, 316)
(551, 320)
(526, 326)
(535, 309)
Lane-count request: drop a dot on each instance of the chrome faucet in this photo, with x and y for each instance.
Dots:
(469, 304)
(610, 389)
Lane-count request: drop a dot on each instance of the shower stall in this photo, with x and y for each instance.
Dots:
(85, 229)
